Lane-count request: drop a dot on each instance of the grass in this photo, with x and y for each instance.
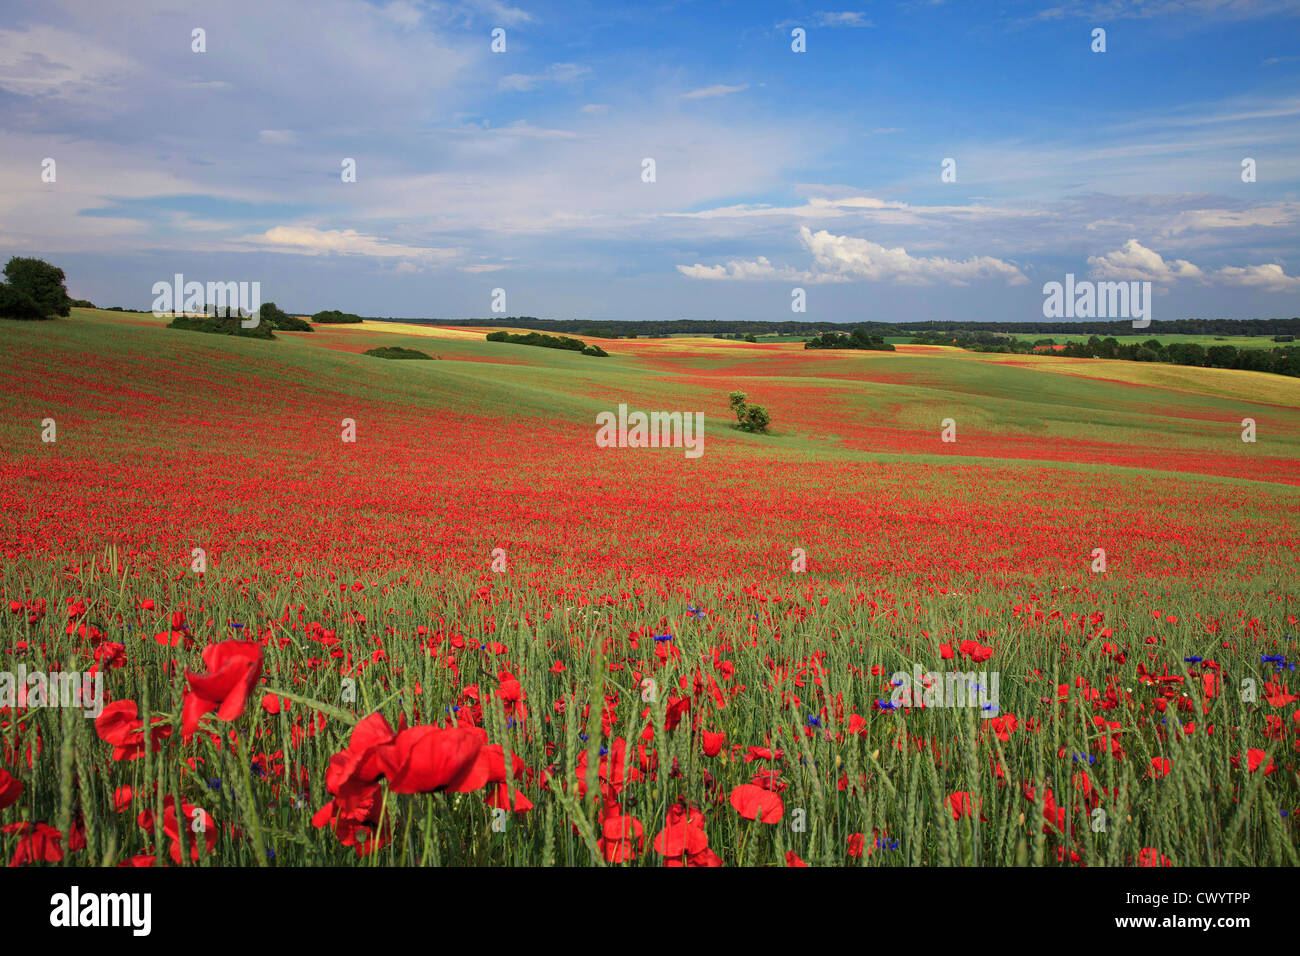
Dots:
(370, 571)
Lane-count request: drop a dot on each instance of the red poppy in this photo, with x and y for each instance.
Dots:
(11, 788)
(39, 843)
(431, 759)
(234, 668)
(756, 803)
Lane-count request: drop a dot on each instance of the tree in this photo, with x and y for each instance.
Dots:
(34, 290)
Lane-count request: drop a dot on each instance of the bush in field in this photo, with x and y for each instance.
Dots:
(752, 418)
(33, 289)
(595, 350)
(221, 325)
(272, 315)
(334, 317)
(397, 352)
(542, 340)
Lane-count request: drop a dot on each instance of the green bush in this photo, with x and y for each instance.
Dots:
(334, 317)
(544, 341)
(221, 325)
(751, 418)
(33, 289)
(396, 352)
(272, 315)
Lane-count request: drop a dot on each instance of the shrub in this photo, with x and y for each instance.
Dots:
(545, 341)
(595, 350)
(271, 315)
(397, 352)
(756, 419)
(221, 325)
(334, 317)
(751, 418)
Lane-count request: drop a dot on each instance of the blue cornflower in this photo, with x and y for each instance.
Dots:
(885, 704)
(214, 783)
(663, 637)
(695, 611)
(603, 750)
(1192, 660)
(814, 720)
(582, 737)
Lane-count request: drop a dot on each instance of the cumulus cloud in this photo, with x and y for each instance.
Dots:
(1268, 277)
(1136, 261)
(848, 259)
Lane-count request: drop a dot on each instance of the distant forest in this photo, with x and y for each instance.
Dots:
(656, 328)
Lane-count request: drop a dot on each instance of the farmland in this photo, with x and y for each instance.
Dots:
(472, 637)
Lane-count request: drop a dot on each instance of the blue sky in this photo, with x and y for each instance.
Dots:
(774, 169)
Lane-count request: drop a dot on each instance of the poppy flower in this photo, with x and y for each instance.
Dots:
(11, 788)
(622, 837)
(1150, 856)
(756, 803)
(38, 843)
(119, 724)
(713, 743)
(430, 759)
(961, 805)
(234, 668)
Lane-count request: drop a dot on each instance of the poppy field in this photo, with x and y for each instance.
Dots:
(344, 611)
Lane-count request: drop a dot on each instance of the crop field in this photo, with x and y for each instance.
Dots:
(471, 636)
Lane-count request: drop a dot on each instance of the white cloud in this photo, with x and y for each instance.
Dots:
(709, 92)
(1268, 277)
(1135, 261)
(848, 258)
(848, 18)
(595, 109)
(310, 241)
(555, 73)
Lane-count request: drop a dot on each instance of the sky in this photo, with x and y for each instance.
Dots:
(773, 169)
